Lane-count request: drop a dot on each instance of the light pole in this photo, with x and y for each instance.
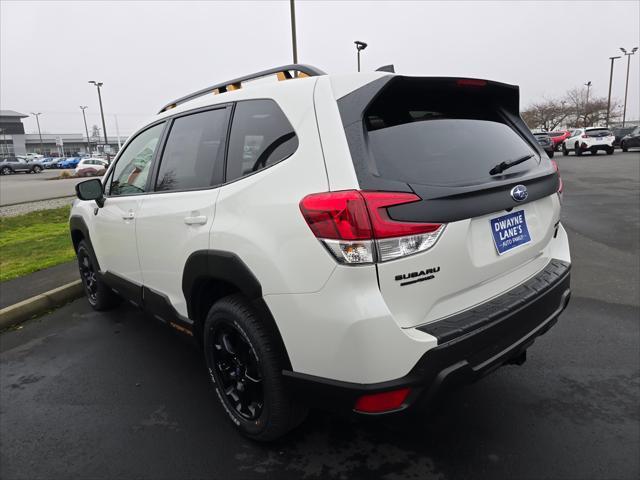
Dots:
(626, 87)
(104, 127)
(613, 59)
(359, 46)
(86, 129)
(292, 7)
(39, 133)
(586, 105)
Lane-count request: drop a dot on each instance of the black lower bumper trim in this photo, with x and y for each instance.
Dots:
(471, 346)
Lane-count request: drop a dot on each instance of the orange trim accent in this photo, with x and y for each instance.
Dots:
(181, 329)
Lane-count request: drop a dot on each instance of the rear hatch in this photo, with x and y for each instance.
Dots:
(448, 141)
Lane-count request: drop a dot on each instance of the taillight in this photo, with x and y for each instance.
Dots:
(584, 136)
(356, 228)
(471, 82)
(560, 182)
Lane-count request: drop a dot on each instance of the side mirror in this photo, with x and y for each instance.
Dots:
(91, 190)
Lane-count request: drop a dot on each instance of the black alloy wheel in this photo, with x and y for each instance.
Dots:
(88, 276)
(578, 150)
(237, 370)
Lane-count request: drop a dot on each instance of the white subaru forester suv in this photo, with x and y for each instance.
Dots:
(351, 242)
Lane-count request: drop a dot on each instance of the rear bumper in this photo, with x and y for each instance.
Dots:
(594, 148)
(470, 345)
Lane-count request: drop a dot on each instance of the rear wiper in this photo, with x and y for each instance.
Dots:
(501, 167)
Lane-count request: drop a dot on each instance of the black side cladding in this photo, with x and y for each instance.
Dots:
(444, 203)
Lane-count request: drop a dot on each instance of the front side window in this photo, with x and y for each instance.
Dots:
(132, 170)
(261, 135)
(194, 147)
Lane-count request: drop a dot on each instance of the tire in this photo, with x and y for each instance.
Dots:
(578, 151)
(610, 151)
(238, 345)
(565, 152)
(624, 147)
(99, 295)
(550, 154)
(594, 152)
(6, 171)
(36, 169)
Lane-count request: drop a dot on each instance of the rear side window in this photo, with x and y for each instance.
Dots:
(261, 135)
(419, 136)
(194, 147)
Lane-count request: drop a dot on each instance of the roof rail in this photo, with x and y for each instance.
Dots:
(283, 72)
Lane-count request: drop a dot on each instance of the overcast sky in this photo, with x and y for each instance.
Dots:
(151, 52)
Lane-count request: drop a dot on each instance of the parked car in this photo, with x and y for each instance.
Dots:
(360, 261)
(620, 132)
(58, 161)
(589, 140)
(33, 156)
(48, 162)
(558, 137)
(69, 162)
(631, 140)
(12, 164)
(91, 167)
(545, 142)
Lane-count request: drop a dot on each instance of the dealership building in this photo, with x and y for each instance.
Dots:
(13, 140)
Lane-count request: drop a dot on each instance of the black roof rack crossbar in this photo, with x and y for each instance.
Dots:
(306, 70)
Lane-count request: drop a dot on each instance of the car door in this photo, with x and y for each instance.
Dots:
(175, 220)
(634, 139)
(114, 235)
(572, 139)
(19, 165)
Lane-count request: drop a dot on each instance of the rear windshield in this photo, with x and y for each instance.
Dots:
(598, 132)
(541, 134)
(555, 134)
(440, 139)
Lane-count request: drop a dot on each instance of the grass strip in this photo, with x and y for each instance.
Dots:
(34, 241)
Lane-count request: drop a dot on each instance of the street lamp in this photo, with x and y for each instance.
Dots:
(292, 8)
(626, 88)
(83, 108)
(613, 59)
(359, 46)
(104, 127)
(586, 105)
(39, 133)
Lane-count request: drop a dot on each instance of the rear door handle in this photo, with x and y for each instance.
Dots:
(197, 220)
(129, 216)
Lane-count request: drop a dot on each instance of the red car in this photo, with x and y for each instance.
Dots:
(558, 137)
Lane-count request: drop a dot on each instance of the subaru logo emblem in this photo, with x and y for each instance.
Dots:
(519, 193)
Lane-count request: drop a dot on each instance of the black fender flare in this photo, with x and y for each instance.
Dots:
(227, 267)
(218, 265)
(77, 224)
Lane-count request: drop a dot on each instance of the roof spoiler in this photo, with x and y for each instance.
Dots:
(387, 68)
(284, 72)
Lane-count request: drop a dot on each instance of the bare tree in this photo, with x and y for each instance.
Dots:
(572, 110)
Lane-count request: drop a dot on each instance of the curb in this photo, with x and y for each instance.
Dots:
(17, 204)
(26, 309)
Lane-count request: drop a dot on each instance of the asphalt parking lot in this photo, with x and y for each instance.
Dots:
(114, 395)
(29, 187)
